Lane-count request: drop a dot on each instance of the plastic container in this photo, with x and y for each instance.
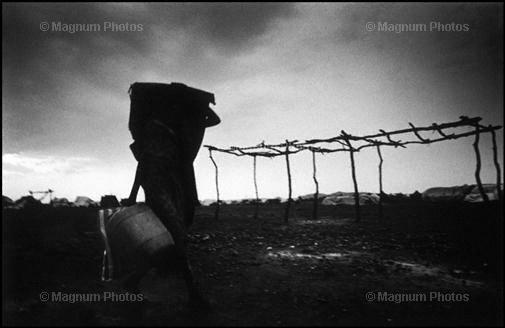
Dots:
(136, 235)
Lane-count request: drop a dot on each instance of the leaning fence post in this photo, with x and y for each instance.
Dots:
(288, 205)
(497, 165)
(216, 215)
(316, 195)
(477, 169)
(381, 192)
(255, 188)
(353, 169)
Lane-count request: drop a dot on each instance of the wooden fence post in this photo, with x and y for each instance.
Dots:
(381, 192)
(288, 205)
(316, 195)
(353, 169)
(255, 189)
(477, 169)
(497, 165)
(345, 140)
(216, 215)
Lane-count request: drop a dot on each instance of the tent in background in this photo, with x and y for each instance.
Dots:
(474, 196)
(7, 202)
(83, 201)
(26, 201)
(347, 198)
(456, 193)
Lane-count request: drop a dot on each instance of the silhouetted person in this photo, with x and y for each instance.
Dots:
(167, 122)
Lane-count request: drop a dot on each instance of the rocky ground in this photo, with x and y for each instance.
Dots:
(422, 264)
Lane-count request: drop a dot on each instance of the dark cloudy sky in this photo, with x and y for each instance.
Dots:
(278, 71)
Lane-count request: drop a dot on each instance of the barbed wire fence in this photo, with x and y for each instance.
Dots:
(349, 143)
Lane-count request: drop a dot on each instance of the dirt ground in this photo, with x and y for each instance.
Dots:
(422, 264)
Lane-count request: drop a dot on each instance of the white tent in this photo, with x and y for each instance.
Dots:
(474, 196)
(84, 201)
(311, 196)
(347, 198)
(456, 193)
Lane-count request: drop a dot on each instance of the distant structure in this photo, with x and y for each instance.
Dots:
(347, 198)
(60, 202)
(351, 144)
(277, 200)
(26, 202)
(124, 202)
(83, 201)
(45, 193)
(7, 202)
(491, 190)
(109, 201)
(416, 195)
(467, 193)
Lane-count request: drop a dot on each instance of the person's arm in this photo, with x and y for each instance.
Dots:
(212, 118)
(132, 199)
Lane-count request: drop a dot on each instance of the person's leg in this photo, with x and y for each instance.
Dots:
(195, 297)
(165, 196)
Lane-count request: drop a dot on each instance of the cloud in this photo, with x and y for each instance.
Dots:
(67, 176)
(235, 26)
(280, 70)
(196, 28)
(20, 164)
(63, 85)
(458, 67)
(478, 46)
